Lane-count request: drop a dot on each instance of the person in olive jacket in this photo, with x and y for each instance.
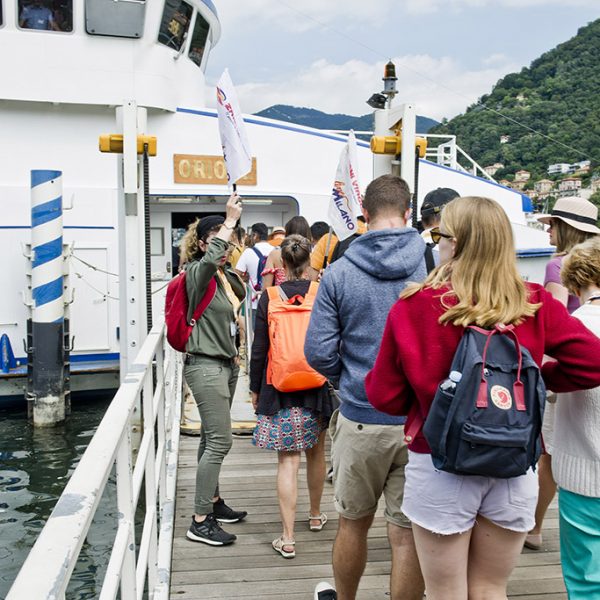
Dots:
(211, 368)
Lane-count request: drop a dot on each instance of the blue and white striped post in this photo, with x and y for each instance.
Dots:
(48, 348)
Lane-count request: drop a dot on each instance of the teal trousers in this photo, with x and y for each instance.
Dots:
(579, 520)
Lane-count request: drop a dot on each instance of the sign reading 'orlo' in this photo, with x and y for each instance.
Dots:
(210, 170)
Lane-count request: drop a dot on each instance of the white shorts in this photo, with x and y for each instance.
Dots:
(446, 503)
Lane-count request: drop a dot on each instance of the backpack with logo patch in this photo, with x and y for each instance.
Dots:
(486, 419)
(262, 261)
(176, 310)
(288, 318)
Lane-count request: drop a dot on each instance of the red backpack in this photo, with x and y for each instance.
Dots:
(176, 311)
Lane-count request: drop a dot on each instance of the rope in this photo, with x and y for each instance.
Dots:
(104, 295)
(423, 76)
(87, 264)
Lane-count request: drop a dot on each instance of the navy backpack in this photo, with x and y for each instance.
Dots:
(262, 261)
(486, 419)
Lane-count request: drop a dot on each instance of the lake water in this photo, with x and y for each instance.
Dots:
(35, 465)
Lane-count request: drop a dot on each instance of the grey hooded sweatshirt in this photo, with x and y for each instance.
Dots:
(355, 295)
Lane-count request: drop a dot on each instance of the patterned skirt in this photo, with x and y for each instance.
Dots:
(291, 429)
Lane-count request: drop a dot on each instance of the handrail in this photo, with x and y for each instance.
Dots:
(155, 380)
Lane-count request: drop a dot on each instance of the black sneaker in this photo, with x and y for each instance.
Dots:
(209, 532)
(225, 514)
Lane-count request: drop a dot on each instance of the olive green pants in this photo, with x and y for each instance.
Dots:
(212, 382)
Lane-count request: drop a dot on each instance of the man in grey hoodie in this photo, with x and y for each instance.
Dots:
(368, 451)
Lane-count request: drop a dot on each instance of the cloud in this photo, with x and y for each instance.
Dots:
(310, 14)
(345, 87)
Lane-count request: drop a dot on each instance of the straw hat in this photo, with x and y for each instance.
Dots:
(576, 212)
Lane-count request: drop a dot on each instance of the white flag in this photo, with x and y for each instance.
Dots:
(346, 199)
(236, 149)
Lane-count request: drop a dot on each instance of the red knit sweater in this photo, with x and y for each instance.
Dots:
(416, 353)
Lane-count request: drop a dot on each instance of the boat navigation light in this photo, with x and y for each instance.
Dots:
(389, 80)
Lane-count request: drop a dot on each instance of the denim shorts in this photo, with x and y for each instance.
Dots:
(446, 503)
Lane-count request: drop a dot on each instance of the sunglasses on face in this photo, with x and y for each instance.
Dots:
(437, 235)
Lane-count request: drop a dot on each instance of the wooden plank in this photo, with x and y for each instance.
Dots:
(251, 570)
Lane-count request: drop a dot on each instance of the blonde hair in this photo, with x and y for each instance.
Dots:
(581, 267)
(188, 248)
(482, 275)
(568, 236)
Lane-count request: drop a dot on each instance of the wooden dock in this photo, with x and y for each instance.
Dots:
(250, 569)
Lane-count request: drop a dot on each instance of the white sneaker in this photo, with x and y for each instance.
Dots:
(325, 591)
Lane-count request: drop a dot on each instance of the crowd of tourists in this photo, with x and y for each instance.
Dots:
(460, 393)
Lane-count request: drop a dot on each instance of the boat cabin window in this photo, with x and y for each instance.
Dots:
(175, 23)
(46, 15)
(199, 37)
(1, 15)
(116, 19)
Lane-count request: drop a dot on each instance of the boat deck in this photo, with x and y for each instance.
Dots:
(251, 570)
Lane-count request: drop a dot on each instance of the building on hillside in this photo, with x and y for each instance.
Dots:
(595, 184)
(505, 182)
(581, 167)
(518, 185)
(569, 186)
(491, 169)
(504, 139)
(522, 175)
(559, 169)
(543, 187)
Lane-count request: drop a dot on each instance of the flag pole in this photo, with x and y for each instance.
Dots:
(327, 248)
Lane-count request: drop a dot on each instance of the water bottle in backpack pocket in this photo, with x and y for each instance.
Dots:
(488, 421)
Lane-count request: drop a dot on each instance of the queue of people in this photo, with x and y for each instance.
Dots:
(378, 331)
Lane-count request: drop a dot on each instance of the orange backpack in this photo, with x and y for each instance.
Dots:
(287, 369)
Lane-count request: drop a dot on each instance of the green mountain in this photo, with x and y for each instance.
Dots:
(558, 95)
(320, 120)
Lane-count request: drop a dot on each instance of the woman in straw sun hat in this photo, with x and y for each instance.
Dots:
(573, 220)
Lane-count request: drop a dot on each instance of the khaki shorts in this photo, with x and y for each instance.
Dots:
(368, 460)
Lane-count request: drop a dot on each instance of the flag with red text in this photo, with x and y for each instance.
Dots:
(346, 200)
(236, 149)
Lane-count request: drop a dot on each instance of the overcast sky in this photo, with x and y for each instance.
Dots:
(329, 54)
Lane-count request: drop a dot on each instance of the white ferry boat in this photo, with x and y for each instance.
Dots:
(68, 64)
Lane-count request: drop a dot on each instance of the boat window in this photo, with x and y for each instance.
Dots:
(46, 15)
(1, 16)
(117, 19)
(175, 23)
(199, 37)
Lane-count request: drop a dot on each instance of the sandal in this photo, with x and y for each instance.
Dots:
(279, 545)
(533, 541)
(322, 518)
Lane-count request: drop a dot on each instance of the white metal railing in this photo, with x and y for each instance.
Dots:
(447, 153)
(47, 570)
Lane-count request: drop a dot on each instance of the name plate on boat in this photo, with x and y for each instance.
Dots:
(190, 168)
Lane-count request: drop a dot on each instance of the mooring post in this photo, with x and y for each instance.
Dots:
(47, 352)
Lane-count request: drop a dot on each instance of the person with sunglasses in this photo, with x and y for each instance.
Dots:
(469, 530)
(431, 211)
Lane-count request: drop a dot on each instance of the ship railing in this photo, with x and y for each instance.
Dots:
(154, 383)
(442, 149)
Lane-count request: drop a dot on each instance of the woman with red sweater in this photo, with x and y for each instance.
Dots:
(469, 530)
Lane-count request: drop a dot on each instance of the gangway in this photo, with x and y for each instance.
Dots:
(153, 382)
